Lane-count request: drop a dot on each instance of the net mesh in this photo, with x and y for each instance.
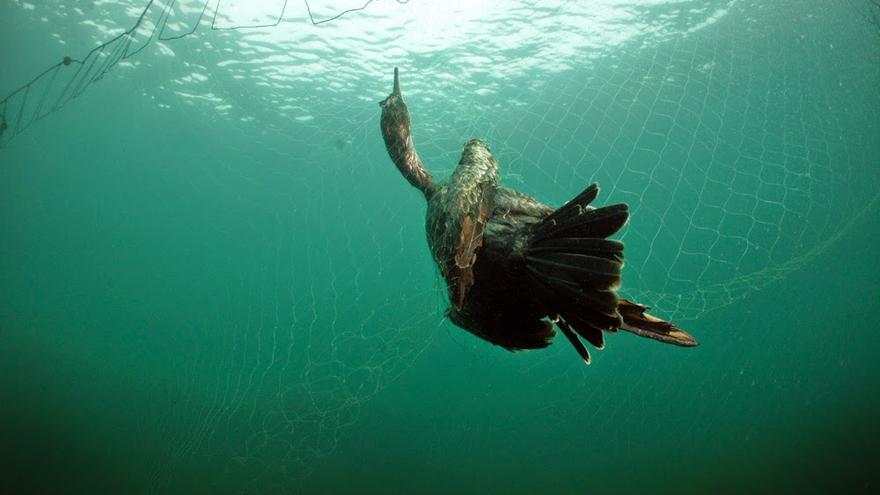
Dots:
(734, 152)
(159, 21)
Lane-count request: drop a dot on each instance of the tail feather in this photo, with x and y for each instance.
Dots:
(587, 329)
(577, 271)
(638, 321)
(577, 344)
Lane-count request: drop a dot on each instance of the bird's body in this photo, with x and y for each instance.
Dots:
(511, 262)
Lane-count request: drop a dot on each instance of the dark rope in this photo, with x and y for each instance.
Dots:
(104, 57)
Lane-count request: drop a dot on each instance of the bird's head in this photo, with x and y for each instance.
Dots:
(395, 99)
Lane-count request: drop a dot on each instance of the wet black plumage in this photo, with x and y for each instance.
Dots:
(514, 266)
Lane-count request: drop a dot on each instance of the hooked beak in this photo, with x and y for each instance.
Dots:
(395, 95)
(396, 90)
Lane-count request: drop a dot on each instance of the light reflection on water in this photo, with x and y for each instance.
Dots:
(495, 43)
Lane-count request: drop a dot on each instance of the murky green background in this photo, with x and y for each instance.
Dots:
(212, 279)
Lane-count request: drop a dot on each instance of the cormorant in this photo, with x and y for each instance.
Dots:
(514, 266)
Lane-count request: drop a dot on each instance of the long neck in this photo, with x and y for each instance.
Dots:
(398, 141)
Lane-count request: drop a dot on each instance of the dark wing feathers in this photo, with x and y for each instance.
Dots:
(574, 271)
(596, 223)
(577, 344)
(573, 296)
(578, 269)
(589, 331)
(606, 248)
(583, 270)
(575, 206)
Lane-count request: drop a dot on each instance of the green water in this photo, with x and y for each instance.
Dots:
(213, 280)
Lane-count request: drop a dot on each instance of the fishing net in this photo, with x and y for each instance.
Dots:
(736, 172)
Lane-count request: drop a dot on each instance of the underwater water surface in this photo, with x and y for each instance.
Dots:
(213, 279)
